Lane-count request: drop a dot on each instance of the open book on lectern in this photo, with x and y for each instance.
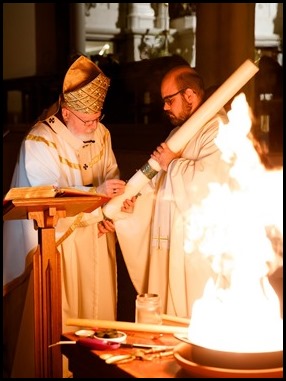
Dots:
(44, 191)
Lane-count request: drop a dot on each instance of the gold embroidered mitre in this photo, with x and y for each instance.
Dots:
(85, 86)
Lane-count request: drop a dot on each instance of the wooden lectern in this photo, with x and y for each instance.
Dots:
(47, 271)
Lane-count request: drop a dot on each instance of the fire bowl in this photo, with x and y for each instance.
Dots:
(204, 362)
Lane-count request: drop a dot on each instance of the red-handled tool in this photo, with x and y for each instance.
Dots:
(94, 343)
(91, 343)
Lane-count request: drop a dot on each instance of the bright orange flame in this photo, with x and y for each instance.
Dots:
(240, 312)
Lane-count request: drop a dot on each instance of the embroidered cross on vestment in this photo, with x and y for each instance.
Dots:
(159, 238)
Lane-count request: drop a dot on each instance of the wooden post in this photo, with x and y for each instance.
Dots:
(47, 272)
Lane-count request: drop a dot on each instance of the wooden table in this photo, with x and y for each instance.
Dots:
(86, 363)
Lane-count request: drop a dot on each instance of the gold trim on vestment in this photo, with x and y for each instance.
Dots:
(100, 154)
(78, 223)
(36, 138)
(73, 226)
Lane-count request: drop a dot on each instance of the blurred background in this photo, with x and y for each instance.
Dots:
(134, 44)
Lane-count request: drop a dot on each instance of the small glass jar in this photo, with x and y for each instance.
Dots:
(148, 309)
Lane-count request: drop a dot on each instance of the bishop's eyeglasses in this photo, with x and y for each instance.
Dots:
(89, 122)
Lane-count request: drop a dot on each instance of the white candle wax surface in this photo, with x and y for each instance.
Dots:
(186, 132)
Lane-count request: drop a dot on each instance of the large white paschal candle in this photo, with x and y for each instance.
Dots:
(186, 132)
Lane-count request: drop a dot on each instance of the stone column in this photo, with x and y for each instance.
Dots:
(224, 40)
(162, 18)
(140, 16)
(77, 28)
(185, 38)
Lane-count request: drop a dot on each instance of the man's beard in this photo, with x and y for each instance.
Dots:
(182, 117)
(86, 137)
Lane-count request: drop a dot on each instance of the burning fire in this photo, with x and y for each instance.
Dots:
(239, 311)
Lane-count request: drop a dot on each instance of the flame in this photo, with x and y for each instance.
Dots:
(239, 311)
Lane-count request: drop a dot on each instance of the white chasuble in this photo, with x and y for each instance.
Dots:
(51, 155)
(156, 258)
